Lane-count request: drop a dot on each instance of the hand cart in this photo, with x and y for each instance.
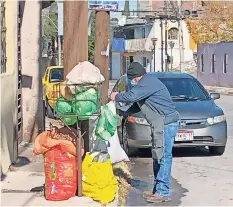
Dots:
(59, 91)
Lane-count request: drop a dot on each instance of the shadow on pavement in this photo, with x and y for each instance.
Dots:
(177, 152)
(141, 170)
(21, 161)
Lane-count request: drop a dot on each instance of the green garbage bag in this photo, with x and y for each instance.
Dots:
(63, 109)
(85, 104)
(68, 120)
(107, 124)
(63, 106)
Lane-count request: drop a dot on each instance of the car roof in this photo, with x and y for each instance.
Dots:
(54, 67)
(169, 75)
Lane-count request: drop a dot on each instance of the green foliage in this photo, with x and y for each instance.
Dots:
(50, 23)
(215, 25)
(91, 40)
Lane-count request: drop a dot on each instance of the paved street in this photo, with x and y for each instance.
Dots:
(197, 178)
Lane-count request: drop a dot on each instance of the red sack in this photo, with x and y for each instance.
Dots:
(60, 174)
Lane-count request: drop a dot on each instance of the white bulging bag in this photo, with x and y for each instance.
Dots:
(117, 154)
(84, 73)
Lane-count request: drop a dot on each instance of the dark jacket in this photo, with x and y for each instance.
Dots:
(156, 97)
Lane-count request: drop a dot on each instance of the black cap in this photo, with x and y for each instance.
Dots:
(135, 70)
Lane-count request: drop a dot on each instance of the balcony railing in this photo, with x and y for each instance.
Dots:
(139, 45)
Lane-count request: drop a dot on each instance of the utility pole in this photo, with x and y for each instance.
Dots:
(166, 30)
(161, 25)
(101, 44)
(75, 51)
(181, 43)
(75, 34)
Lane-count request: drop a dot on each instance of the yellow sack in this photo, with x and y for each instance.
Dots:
(98, 180)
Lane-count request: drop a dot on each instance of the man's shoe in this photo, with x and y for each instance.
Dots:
(147, 194)
(155, 198)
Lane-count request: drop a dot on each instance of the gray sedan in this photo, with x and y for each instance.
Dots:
(202, 122)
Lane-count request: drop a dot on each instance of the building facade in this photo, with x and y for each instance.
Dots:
(215, 63)
(8, 80)
(139, 47)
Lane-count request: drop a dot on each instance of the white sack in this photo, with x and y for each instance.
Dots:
(117, 154)
(84, 73)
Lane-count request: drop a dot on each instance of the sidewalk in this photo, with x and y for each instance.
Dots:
(18, 186)
(221, 90)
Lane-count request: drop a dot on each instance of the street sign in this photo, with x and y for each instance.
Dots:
(171, 44)
(103, 5)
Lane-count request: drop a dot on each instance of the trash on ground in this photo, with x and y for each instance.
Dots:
(98, 180)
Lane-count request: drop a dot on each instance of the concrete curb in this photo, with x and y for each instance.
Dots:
(221, 90)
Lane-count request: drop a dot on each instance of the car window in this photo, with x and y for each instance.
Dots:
(56, 75)
(120, 85)
(184, 88)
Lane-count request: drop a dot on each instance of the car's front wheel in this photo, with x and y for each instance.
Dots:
(217, 150)
(128, 150)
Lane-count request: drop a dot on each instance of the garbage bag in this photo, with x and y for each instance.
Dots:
(117, 154)
(84, 73)
(63, 106)
(49, 139)
(98, 180)
(68, 120)
(107, 123)
(85, 104)
(60, 170)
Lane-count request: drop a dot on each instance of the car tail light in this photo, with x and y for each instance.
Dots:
(131, 119)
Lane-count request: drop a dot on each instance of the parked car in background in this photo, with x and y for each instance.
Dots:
(53, 75)
(202, 122)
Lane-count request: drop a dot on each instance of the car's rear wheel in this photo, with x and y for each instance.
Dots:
(49, 111)
(217, 150)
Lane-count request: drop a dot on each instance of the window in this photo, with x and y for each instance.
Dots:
(143, 32)
(144, 63)
(225, 62)
(130, 59)
(202, 62)
(120, 85)
(184, 89)
(57, 75)
(213, 63)
(173, 34)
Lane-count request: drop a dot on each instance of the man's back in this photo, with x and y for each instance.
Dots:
(160, 99)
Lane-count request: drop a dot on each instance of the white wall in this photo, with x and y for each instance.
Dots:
(8, 105)
(188, 53)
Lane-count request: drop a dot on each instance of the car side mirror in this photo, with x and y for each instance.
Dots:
(215, 96)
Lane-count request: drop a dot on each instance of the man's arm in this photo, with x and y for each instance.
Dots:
(137, 93)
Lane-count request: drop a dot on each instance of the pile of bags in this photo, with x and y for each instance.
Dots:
(60, 162)
(59, 145)
(82, 101)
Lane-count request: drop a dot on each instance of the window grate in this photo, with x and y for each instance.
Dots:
(3, 37)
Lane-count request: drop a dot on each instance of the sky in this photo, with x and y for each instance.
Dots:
(132, 6)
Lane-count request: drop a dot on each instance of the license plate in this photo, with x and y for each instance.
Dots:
(183, 135)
